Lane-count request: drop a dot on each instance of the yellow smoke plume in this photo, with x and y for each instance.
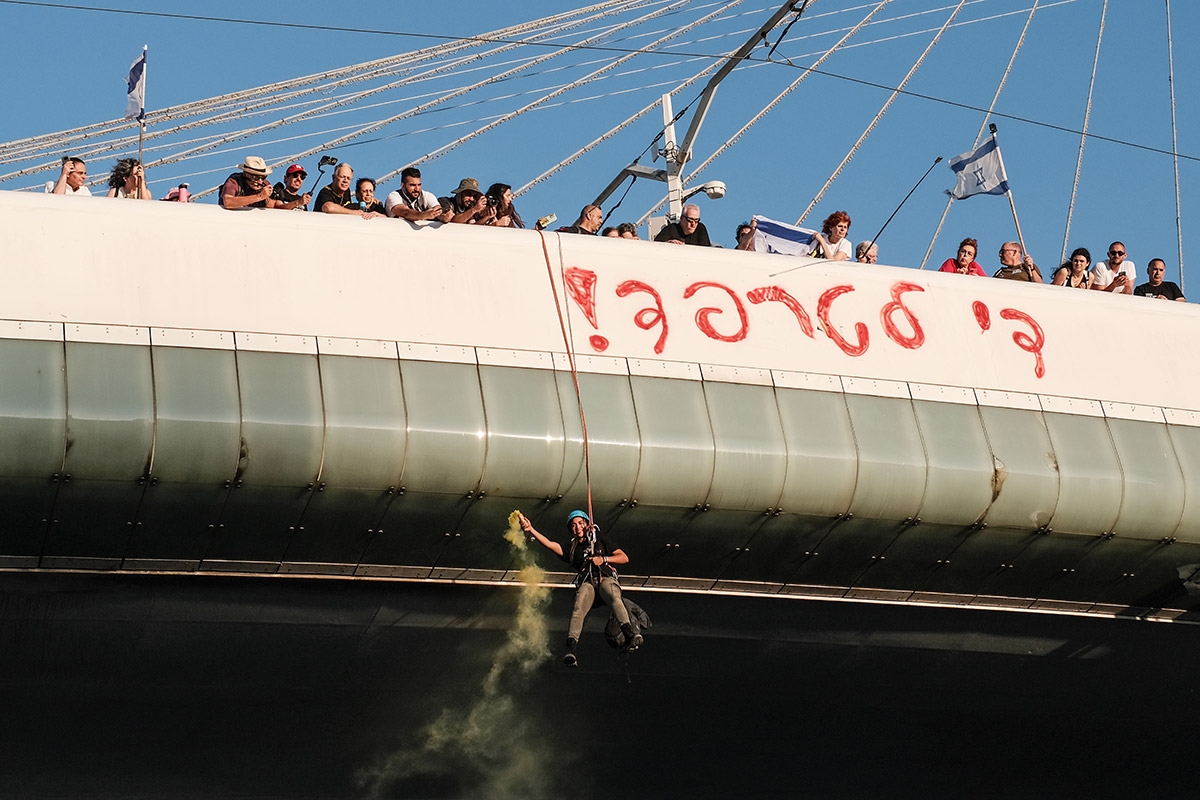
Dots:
(491, 748)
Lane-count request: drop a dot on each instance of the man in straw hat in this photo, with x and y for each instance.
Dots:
(248, 188)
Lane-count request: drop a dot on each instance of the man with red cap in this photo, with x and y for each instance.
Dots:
(289, 194)
(592, 557)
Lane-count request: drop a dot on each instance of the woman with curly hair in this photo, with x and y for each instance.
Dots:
(128, 179)
(832, 240)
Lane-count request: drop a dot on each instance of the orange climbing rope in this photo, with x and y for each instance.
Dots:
(562, 324)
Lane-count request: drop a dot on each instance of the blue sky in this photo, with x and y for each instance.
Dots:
(68, 67)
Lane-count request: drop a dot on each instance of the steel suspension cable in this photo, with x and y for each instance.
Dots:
(1174, 144)
(1087, 115)
(984, 124)
(771, 106)
(883, 110)
(195, 107)
(571, 159)
(245, 133)
(378, 125)
(562, 89)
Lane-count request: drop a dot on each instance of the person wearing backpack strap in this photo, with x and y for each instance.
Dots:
(594, 560)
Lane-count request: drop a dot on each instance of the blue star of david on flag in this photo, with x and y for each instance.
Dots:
(979, 172)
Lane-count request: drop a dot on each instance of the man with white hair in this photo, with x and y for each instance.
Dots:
(336, 198)
(689, 229)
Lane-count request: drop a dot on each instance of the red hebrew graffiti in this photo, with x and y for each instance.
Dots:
(703, 314)
(647, 318)
(581, 285)
(909, 334)
(1030, 344)
(982, 315)
(777, 294)
(823, 305)
(889, 327)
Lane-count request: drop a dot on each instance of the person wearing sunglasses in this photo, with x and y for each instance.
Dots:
(1016, 265)
(1114, 274)
(688, 230)
(249, 188)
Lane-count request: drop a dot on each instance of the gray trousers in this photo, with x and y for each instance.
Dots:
(585, 595)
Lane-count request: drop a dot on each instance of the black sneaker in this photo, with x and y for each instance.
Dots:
(633, 639)
(569, 659)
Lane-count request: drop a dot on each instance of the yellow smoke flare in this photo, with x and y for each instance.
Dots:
(491, 748)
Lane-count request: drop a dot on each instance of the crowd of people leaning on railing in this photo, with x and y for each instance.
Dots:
(251, 187)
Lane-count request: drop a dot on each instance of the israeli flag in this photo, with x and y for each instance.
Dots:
(779, 237)
(135, 108)
(979, 172)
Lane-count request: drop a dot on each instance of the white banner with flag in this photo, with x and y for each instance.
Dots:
(979, 172)
(771, 236)
(135, 108)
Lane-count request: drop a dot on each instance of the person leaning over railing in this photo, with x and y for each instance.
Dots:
(288, 193)
(413, 203)
(364, 192)
(248, 188)
(964, 262)
(1156, 287)
(336, 198)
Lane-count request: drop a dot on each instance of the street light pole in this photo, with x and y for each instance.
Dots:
(677, 155)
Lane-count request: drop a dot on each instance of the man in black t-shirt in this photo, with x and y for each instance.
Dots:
(336, 198)
(689, 229)
(592, 557)
(289, 193)
(1156, 286)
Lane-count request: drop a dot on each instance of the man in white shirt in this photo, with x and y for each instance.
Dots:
(70, 180)
(1115, 274)
(410, 201)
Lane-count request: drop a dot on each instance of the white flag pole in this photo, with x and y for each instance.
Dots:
(142, 122)
(1008, 194)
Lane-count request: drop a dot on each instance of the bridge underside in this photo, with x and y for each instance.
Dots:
(201, 685)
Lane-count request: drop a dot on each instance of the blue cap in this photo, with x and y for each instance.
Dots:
(577, 513)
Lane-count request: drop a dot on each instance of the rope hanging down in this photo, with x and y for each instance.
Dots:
(562, 324)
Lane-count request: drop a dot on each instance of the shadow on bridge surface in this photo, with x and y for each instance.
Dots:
(199, 686)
